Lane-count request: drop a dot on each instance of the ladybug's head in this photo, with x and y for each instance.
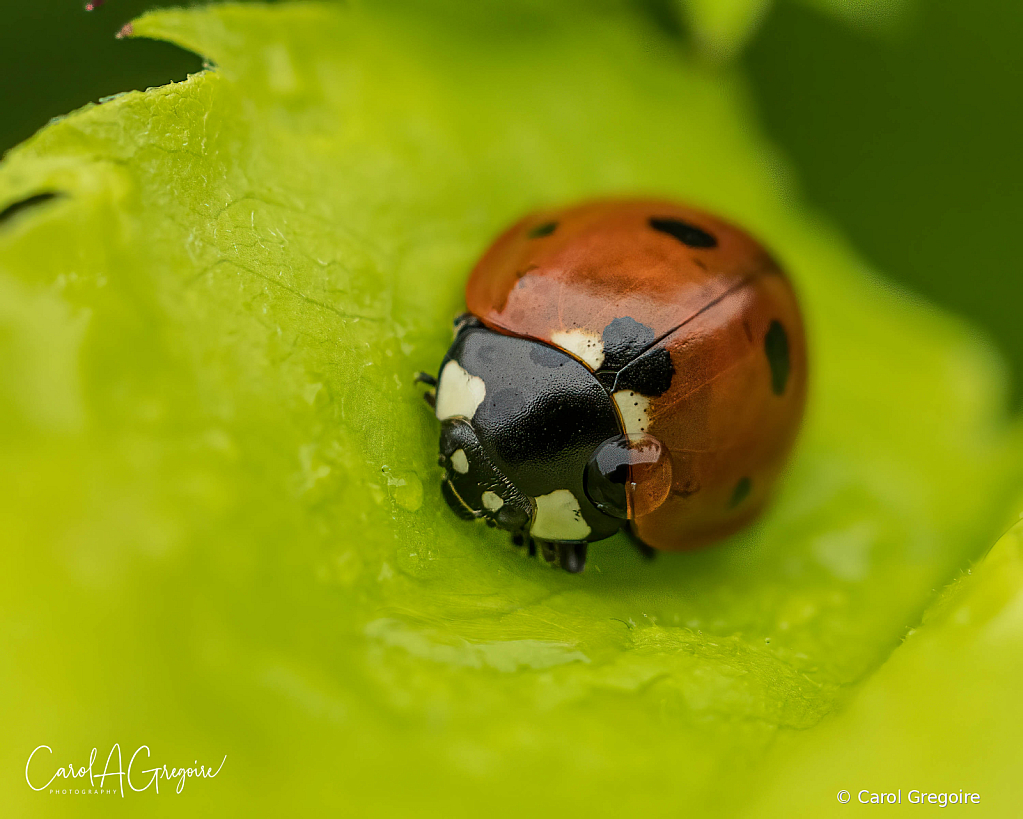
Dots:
(520, 423)
(473, 487)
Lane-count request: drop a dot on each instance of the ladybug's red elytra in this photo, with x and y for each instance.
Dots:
(623, 364)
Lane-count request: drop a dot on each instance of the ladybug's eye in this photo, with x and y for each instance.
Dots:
(628, 476)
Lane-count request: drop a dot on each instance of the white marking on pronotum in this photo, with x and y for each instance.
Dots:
(492, 501)
(458, 393)
(634, 409)
(459, 461)
(558, 517)
(583, 344)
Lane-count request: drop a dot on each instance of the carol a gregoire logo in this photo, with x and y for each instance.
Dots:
(45, 773)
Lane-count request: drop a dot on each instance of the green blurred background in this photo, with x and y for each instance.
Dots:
(905, 134)
(902, 134)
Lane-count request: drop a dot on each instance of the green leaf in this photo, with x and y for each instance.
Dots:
(947, 706)
(721, 28)
(876, 16)
(219, 492)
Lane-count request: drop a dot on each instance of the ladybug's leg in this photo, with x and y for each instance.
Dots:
(548, 550)
(572, 556)
(430, 396)
(520, 540)
(649, 552)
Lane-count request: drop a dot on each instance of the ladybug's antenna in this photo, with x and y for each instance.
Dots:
(430, 396)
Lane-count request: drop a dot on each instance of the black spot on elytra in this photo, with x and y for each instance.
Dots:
(686, 233)
(546, 356)
(649, 375)
(776, 345)
(546, 229)
(741, 492)
(624, 339)
(15, 208)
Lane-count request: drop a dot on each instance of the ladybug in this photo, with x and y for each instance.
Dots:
(632, 365)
